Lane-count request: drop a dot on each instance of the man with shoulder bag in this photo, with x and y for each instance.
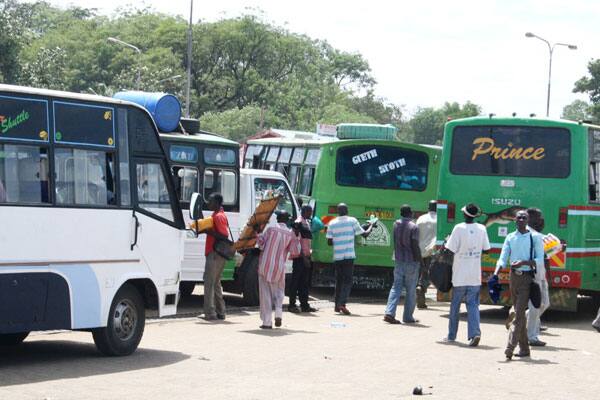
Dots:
(524, 252)
(216, 251)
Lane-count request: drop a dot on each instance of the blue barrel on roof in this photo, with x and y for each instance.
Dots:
(164, 107)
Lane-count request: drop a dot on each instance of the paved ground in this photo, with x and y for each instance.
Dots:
(312, 357)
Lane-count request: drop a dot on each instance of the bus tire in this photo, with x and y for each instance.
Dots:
(186, 288)
(125, 325)
(250, 283)
(12, 339)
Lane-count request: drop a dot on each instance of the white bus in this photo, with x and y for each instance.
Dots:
(91, 234)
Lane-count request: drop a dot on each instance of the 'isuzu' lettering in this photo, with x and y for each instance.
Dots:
(488, 146)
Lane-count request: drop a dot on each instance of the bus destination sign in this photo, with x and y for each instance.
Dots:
(23, 119)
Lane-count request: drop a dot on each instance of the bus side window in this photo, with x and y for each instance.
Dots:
(23, 174)
(152, 191)
(594, 185)
(223, 182)
(293, 177)
(186, 182)
(306, 181)
(84, 177)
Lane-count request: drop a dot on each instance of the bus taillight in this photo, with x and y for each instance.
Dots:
(451, 212)
(562, 217)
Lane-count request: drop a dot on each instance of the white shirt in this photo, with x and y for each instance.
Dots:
(540, 273)
(467, 241)
(427, 224)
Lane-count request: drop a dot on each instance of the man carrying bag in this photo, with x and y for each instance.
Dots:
(524, 251)
(217, 249)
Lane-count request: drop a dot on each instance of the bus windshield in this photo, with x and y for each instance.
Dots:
(383, 167)
(511, 150)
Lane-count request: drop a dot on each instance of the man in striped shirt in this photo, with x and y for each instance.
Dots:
(340, 235)
(275, 244)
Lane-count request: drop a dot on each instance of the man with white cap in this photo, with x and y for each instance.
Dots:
(467, 241)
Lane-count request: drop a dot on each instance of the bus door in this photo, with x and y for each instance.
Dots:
(157, 224)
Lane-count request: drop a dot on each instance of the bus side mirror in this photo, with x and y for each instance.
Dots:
(196, 207)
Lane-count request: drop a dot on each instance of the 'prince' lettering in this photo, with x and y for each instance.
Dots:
(488, 146)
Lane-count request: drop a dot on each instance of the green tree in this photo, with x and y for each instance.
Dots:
(591, 86)
(237, 124)
(239, 65)
(578, 110)
(427, 125)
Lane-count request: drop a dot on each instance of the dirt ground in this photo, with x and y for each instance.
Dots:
(313, 356)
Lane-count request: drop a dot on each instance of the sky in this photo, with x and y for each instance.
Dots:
(424, 53)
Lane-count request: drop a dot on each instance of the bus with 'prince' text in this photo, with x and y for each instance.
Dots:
(364, 167)
(509, 164)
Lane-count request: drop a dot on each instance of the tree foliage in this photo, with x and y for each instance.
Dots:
(427, 125)
(578, 110)
(591, 86)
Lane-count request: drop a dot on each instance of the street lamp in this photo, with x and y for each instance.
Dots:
(122, 43)
(189, 63)
(550, 50)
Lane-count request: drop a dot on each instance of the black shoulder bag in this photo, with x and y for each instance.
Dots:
(224, 247)
(535, 293)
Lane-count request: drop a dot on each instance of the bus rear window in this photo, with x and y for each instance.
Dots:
(511, 151)
(384, 167)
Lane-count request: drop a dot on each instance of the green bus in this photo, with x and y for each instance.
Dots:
(372, 175)
(508, 164)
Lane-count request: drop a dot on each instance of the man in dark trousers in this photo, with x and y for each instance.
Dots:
(214, 305)
(406, 272)
(523, 251)
(340, 235)
(301, 265)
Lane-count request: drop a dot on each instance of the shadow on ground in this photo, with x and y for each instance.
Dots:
(48, 360)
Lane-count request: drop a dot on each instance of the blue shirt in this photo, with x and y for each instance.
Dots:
(517, 247)
(342, 230)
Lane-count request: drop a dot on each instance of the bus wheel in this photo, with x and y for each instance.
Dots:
(125, 325)
(186, 288)
(12, 339)
(250, 283)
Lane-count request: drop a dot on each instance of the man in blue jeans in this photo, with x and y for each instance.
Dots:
(406, 272)
(467, 241)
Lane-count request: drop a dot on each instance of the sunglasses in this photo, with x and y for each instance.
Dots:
(522, 217)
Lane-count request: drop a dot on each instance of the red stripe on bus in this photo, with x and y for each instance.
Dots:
(584, 254)
(589, 208)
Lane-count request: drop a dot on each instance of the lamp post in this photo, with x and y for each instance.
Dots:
(122, 43)
(551, 51)
(189, 63)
